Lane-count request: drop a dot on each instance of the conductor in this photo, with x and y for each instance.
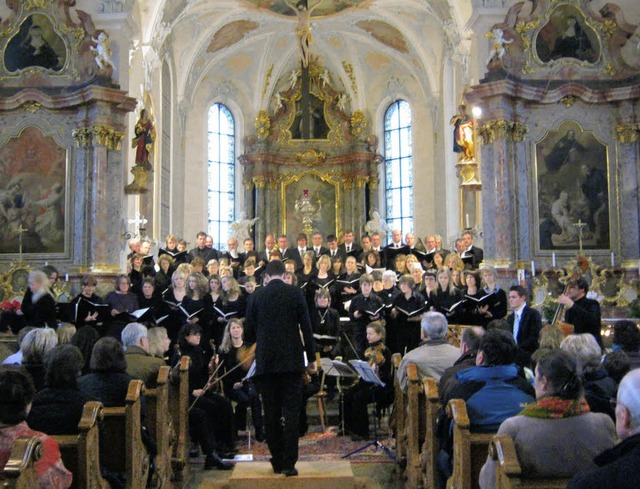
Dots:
(277, 320)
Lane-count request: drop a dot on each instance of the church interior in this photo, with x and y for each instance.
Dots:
(515, 121)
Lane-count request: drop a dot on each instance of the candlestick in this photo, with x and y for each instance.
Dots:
(466, 221)
(613, 259)
(553, 259)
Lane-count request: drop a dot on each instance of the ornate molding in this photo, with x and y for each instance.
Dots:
(263, 125)
(99, 135)
(502, 129)
(311, 157)
(358, 123)
(628, 133)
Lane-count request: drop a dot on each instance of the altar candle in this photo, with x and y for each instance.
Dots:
(533, 268)
(613, 259)
(553, 259)
(66, 277)
(466, 221)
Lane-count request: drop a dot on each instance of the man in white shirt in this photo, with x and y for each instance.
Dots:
(525, 324)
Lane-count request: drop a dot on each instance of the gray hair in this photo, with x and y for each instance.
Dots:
(37, 343)
(629, 397)
(132, 334)
(157, 336)
(391, 275)
(434, 325)
(585, 350)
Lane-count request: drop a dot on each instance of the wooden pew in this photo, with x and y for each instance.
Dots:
(415, 426)
(509, 472)
(19, 472)
(431, 446)
(398, 423)
(179, 409)
(469, 449)
(81, 452)
(160, 426)
(123, 449)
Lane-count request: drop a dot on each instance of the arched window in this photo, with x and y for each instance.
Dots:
(398, 166)
(221, 173)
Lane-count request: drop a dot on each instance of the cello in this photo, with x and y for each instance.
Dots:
(578, 271)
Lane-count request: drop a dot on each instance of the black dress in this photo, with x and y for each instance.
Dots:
(408, 332)
(326, 331)
(40, 313)
(86, 307)
(356, 398)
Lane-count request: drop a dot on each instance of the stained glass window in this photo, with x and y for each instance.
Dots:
(221, 173)
(398, 166)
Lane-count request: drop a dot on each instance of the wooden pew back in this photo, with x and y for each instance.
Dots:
(124, 451)
(81, 452)
(431, 446)
(179, 409)
(398, 423)
(160, 427)
(415, 426)
(508, 470)
(469, 449)
(19, 472)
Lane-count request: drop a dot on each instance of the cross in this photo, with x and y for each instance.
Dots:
(139, 219)
(21, 230)
(580, 225)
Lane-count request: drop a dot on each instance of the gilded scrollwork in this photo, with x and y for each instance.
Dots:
(628, 133)
(259, 181)
(568, 101)
(263, 125)
(311, 157)
(32, 106)
(502, 129)
(99, 135)
(358, 123)
(348, 68)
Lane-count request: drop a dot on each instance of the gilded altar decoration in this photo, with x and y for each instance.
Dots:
(263, 125)
(502, 129)
(628, 133)
(311, 157)
(358, 123)
(308, 207)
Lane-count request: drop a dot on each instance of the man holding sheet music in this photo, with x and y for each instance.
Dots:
(277, 320)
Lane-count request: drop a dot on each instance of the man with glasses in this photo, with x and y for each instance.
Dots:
(582, 312)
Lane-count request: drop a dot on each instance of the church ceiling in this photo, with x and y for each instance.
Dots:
(320, 7)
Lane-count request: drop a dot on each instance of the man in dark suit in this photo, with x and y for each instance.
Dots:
(580, 311)
(525, 323)
(334, 250)
(269, 247)
(318, 249)
(201, 250)
(283, 247)
(471, 250)
(297, 253)
(277, 319)
(349, 247)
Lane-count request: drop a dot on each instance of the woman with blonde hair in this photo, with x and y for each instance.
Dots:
(65, 332)
(175, 297)
(159, 342)
(38, 305)
(454, 262)
(496, 305)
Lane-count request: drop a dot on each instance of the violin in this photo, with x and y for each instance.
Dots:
(245, 356)
(375, 355)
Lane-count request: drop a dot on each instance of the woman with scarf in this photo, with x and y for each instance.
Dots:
(557, 435)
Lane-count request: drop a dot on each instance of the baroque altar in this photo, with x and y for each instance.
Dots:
(312, 164)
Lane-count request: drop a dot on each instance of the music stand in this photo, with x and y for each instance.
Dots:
(340, 370)
(367, 374)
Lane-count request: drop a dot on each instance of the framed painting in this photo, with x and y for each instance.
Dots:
(573, 190)
(33, 194)
(35, 45)
(309, 204)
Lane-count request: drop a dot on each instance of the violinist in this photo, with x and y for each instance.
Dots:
(356, 398)
(238, 357)
(211, 414)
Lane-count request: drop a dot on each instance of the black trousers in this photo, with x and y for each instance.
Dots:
(282, 400)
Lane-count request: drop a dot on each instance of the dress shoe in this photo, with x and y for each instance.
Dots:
(276, 467)
(290, 472)
(213, 460)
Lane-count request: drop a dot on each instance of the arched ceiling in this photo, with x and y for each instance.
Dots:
(358, 40)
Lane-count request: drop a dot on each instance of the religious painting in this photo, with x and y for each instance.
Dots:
(32, 194)
(36, 44)
(309, 204)
(567, 35)
(572, 185)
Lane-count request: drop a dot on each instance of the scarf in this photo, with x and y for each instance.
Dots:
(556, 408)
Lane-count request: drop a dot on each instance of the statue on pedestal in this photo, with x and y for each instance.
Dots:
(143, 142)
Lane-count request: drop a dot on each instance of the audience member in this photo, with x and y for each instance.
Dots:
(555, 436)
(618, 466)
(626, 337)
(434, 354)
(140, 363)
(34, 348)
(469, 344)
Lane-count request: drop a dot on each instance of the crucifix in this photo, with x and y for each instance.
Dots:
(580, 225)
(139, 219)
(21, 231)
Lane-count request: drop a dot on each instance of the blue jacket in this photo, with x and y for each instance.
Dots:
(492, 394)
